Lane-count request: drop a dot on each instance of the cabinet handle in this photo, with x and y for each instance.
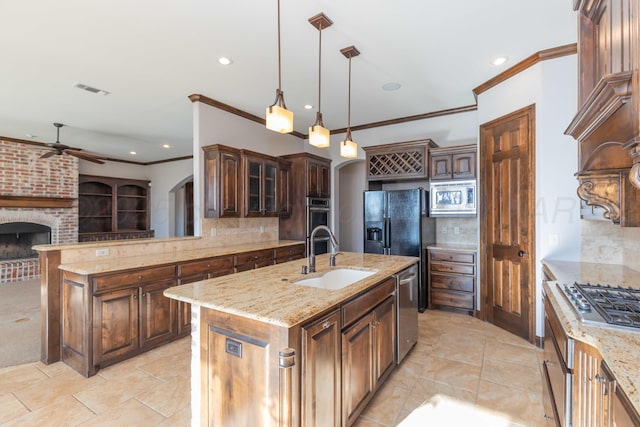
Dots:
(325, 324)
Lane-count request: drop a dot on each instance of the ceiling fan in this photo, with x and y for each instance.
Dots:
(59, 148)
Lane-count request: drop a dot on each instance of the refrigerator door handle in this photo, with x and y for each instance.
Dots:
(386, 233)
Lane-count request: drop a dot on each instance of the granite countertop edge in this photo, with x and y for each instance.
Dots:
(98, 266)
(275, 299)
(620, 349)
(453, 247)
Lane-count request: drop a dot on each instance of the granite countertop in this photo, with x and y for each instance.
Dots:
(619, 348)
(454, 246)
(267, 294)
(117, 264)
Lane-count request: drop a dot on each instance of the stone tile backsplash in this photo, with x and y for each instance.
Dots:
(225, 231)
(605, 243)
(457, 230)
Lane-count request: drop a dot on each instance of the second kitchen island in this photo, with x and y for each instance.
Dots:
(268, 352)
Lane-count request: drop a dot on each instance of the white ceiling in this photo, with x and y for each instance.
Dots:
(152, 54)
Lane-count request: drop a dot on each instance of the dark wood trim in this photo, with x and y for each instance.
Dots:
(399, 120)
(249, 116)
(543, 55)
(35, 202)
(229, 109)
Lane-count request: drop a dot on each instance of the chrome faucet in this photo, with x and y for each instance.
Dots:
(312, 255)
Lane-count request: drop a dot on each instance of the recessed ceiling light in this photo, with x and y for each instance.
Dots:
(224, 60)
(166, 146)
(499, 60)
(308, 106)
(132, 153)
(391, 86)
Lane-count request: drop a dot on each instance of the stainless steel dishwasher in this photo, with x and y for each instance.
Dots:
(407, 311)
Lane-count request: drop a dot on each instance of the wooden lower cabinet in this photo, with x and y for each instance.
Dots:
(321, 373)
(194, 271)
(254, 259)
(452, 279)
(289, 253)
(367, 358)
(321, 370)
(115, 320)
(157, 315)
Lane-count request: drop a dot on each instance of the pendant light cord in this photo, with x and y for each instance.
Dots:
(348, 136)
(319, 68)
(279, 64)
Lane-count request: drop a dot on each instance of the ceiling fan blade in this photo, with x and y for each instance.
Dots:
(48, 154)
(84, 156)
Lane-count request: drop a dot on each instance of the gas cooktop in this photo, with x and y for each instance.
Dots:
(604, 305)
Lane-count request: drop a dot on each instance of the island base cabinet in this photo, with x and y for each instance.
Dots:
(247, 372)
(321, 372)
(368, 357)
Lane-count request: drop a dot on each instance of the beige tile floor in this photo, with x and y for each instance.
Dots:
(461, 372)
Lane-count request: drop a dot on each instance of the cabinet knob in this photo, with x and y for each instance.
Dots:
(135, 297)
(325, 324)
(139, 277)
(144, 295)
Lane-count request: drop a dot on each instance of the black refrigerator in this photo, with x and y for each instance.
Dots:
(396, 222)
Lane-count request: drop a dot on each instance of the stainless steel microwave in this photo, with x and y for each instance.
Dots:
(452, 198)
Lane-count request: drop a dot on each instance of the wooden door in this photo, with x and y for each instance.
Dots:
(321, 373)
(508, 222)
(357, 368)
(157, 315)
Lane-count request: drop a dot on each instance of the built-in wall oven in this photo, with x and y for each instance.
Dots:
(318, 211)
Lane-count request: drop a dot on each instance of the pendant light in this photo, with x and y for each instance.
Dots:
(348, 148)
(278, 118)
(319, 135)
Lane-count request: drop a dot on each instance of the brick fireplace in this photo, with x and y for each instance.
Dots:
(36, 191)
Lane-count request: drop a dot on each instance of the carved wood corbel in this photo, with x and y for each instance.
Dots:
(595, 193)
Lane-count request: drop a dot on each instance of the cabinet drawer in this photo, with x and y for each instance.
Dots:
(253, 256)
(289, 253)
(450, 267)
(115, 281)
(359, 306)
(465, 257)
(206, 265)
(452, 299)
(453, 282)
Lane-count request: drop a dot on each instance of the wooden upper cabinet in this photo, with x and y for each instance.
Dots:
(284, 189)
(222, 182)
(243, 183)
(318, 178)
(607, 124)
(453, 162)
(398, 161)
(260, 185)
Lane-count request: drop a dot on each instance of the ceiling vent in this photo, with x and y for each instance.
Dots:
(91, 89)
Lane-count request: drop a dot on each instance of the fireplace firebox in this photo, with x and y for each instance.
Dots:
(18, 238)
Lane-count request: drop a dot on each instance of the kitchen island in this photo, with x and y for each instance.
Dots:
(605, 357)
(267, 351)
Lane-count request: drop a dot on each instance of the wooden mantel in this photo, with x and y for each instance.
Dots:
(35, 202)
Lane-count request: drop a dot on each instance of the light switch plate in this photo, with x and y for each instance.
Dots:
(102, 252)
